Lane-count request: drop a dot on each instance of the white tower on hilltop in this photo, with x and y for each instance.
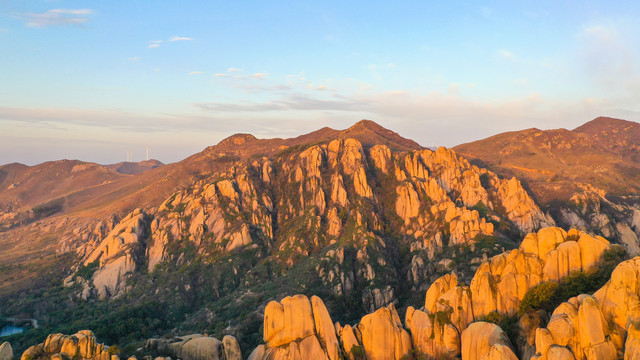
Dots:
(147, 152)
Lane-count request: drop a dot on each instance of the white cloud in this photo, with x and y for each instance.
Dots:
(135, 58)
(506, 54)
(233, 70)
(221, 75)
(157, 43)
(259, 75)
(196, 73)
(56, 17)
(154, 43)
(179, 38)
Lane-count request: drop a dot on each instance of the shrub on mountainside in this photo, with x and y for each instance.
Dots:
(548, 295)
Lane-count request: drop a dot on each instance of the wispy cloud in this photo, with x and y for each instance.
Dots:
(233, 70)
(196, 73)
(134, 58)
(506, 54)
(259, 75)
(291, 102)
(179, 38)
(56, 17)
(157, 43)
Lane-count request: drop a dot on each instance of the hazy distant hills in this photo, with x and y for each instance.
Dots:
(604, 152)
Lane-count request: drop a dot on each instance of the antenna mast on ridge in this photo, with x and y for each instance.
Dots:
(147, 152)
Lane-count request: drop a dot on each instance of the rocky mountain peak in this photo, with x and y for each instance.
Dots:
(238, 139)
(603, 123)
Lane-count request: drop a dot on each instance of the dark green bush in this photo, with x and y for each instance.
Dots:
(547, 296)
(539, 297)
(86, 271)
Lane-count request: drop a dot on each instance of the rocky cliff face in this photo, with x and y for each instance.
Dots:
(450, 324)
(350, 206)
(586, 178)
(613, 217)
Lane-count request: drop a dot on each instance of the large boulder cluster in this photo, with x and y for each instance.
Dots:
(451, 323)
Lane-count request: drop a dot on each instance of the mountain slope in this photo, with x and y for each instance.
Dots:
(134, 168)
(620, 136)
(554, 163)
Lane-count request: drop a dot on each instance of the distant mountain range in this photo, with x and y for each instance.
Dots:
(604, 152)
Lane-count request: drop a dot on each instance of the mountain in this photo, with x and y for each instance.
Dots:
(134, 168)
(619, 136)
(556, 163)
(28, 192)
(362, 217)
(587, 178)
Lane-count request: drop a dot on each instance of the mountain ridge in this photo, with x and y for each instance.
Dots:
(603, 152)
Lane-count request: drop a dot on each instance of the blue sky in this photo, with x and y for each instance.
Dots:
(90, 80)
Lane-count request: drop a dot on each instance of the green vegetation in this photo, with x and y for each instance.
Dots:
(86, 271)
(548, 295)
(538, 297)
(113, 350)
(482, 209)
(357, 353)
(47, 209)
(507, 323)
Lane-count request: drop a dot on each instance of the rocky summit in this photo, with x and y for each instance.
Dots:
(337, 244)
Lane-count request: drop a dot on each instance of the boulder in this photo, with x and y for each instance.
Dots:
(325, 329)
(500, 352)
(296, 328)
(6, 352)
(288, 320)
(200, 348)
(382, 335)
(559, 353)
(430, 337)
(480, 337)
(257, 353)
(231, 348)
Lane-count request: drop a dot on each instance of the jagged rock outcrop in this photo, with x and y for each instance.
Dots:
(296, 328)
(498, 286)
(450, 325)
(117, 255)
(81, 345)
(431, 335)
(580, 326)
(599, 326)
(501, 283)
(6, 351)
(340, 200)
(614, 218)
